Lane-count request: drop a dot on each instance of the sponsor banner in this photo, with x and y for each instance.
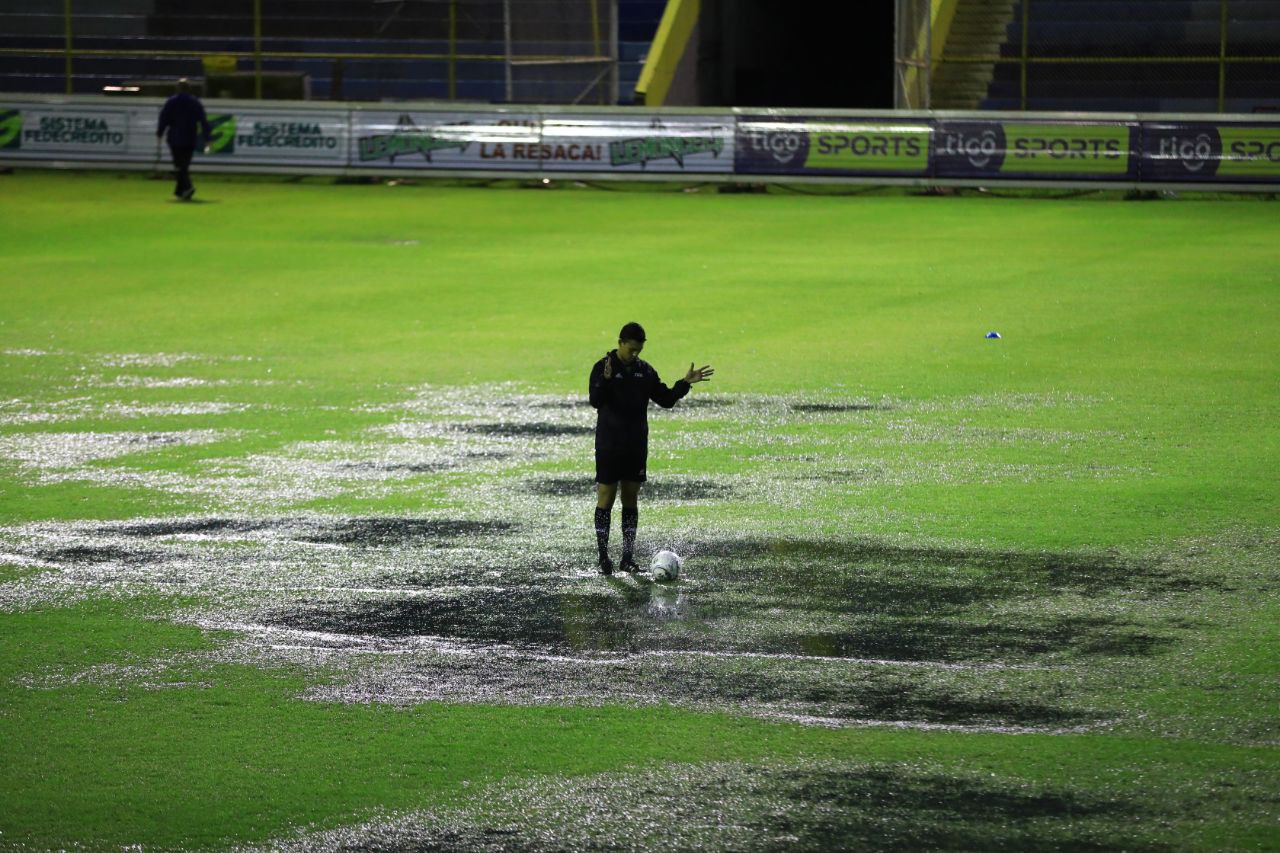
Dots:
(672, 144)
(277, 138)
(417, 140)
(63, 131)
(818, 146)
(1066, 150)
(963, 149)
(1180, 151)
(1251, 152)
(1070, 150)
(1202, 151)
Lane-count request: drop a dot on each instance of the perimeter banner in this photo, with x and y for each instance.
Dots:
(1182, 151)
(274, 137)
(794, 145)
(646, 143)
(59, 132)
(533, 142)
(1038, 149)
(444, 140)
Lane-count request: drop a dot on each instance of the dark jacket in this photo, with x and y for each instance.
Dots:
(622, 399)
(183, 115)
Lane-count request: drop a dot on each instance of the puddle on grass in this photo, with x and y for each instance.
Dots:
(463, 609)
(811, 805)
(500, 602)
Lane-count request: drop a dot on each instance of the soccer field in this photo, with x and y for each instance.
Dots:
(296, 494)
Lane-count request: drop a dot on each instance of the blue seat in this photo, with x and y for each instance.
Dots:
(1174, 29)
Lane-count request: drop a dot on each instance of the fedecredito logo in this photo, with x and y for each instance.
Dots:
(962, 149)
(1068, 149)
(10, 129)
(223, 138)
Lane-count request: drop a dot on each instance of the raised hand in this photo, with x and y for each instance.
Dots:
(701, 374)
(608, 367)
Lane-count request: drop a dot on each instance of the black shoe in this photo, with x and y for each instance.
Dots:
(606, 566)
(629, 565)
(188, 193)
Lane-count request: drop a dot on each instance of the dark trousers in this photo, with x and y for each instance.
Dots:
(182, 155)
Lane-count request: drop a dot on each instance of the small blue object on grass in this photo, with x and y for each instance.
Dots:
(991, 335)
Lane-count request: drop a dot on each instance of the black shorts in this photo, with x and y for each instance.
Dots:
(614, 464)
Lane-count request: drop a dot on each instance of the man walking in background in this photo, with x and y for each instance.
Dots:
(621, 387)
(183, 116)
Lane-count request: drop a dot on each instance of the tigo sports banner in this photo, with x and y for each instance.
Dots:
(795, 145)
(1057, 150)
(1245, 152)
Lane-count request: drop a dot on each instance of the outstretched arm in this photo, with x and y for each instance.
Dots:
(667, 397)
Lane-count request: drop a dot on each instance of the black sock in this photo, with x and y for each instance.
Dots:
(604, 520)
(630, 519)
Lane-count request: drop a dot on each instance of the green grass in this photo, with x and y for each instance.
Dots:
(1131, 405)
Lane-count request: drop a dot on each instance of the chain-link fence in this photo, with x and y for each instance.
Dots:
(546, 51)
(1090, 55)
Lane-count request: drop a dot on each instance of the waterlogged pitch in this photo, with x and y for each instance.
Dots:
(296, 551)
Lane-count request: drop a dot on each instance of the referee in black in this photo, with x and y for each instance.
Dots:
(621, 386)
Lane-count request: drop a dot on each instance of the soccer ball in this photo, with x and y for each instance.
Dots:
(665, 566)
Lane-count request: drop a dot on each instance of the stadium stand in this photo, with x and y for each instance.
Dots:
(1185, 30)
(313, 26)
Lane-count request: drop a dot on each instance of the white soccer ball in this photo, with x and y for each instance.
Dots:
(666, 566)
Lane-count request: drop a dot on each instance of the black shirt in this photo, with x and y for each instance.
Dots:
(622, 399)
(183, 116)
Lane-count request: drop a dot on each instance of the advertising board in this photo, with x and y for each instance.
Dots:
(1203, 151)
(278, 137)
(444, 140)
(796, 145)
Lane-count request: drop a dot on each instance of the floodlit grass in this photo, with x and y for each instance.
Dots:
(1129, 409)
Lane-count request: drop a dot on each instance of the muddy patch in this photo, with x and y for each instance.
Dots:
(886, 578)
(666, 488)
(957, 641)
(185, 526)
(388, 531)
(536, 429)
(97, 554)
(396, 467)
